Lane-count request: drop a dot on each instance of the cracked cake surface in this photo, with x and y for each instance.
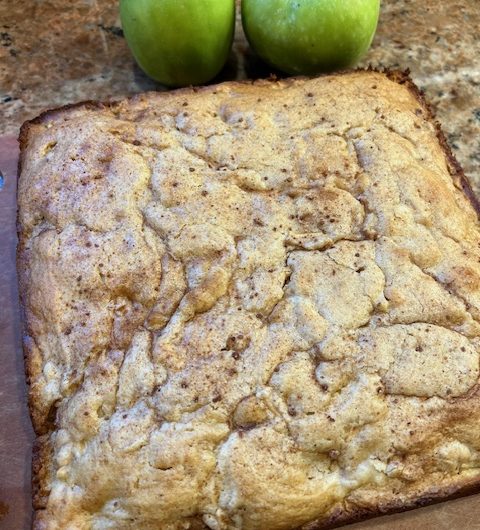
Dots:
(249, 306)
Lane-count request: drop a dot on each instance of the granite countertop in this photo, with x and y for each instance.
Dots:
(54, 52)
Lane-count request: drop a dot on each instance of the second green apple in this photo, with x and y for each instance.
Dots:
(310, 36)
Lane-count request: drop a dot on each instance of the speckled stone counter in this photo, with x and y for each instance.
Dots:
(54, 52)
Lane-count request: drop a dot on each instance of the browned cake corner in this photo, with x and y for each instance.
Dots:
(248, 306)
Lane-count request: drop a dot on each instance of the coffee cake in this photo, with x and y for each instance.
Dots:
(248, 306)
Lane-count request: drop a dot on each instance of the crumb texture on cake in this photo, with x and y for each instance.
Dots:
(249, 306)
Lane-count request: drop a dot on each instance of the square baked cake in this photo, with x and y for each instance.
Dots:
(250, 306)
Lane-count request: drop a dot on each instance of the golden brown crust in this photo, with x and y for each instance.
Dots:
(435, 495)
(399, 76)
(41, 465)
(405, 292)
(456, 170)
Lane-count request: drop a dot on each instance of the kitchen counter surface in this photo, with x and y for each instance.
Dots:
(54, 52)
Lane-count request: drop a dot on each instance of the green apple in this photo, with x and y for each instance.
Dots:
(310, 36)
(179, 42)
